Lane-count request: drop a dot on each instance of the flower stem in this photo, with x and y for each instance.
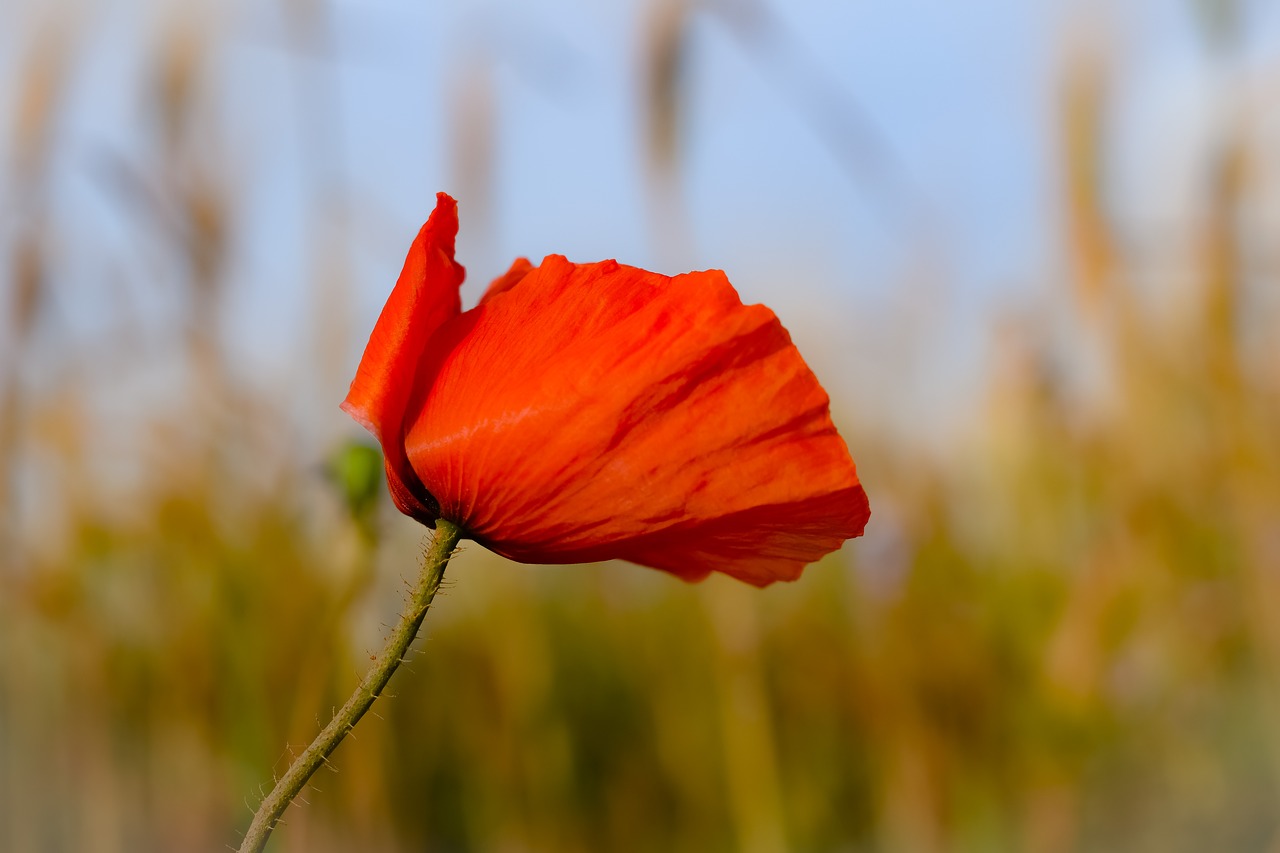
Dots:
(402, 636)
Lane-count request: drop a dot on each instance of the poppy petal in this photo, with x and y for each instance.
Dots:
(509, 279)
(424, 298)
(599, 411)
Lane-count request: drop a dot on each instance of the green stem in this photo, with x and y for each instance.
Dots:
(306, 764)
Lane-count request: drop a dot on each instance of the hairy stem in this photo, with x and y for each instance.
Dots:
(402, 636)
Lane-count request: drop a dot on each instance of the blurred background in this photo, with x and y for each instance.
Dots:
(1027, 247)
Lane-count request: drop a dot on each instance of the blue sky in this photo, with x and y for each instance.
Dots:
(962, 97)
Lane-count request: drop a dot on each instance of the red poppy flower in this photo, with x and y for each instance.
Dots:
(587, 412)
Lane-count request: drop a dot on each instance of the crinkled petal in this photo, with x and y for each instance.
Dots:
(599, 411)
(509, 279)
(424, 298)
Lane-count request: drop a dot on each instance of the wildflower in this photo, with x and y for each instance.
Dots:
(585, 412)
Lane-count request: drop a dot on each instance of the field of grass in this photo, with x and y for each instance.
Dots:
(1060, 633)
